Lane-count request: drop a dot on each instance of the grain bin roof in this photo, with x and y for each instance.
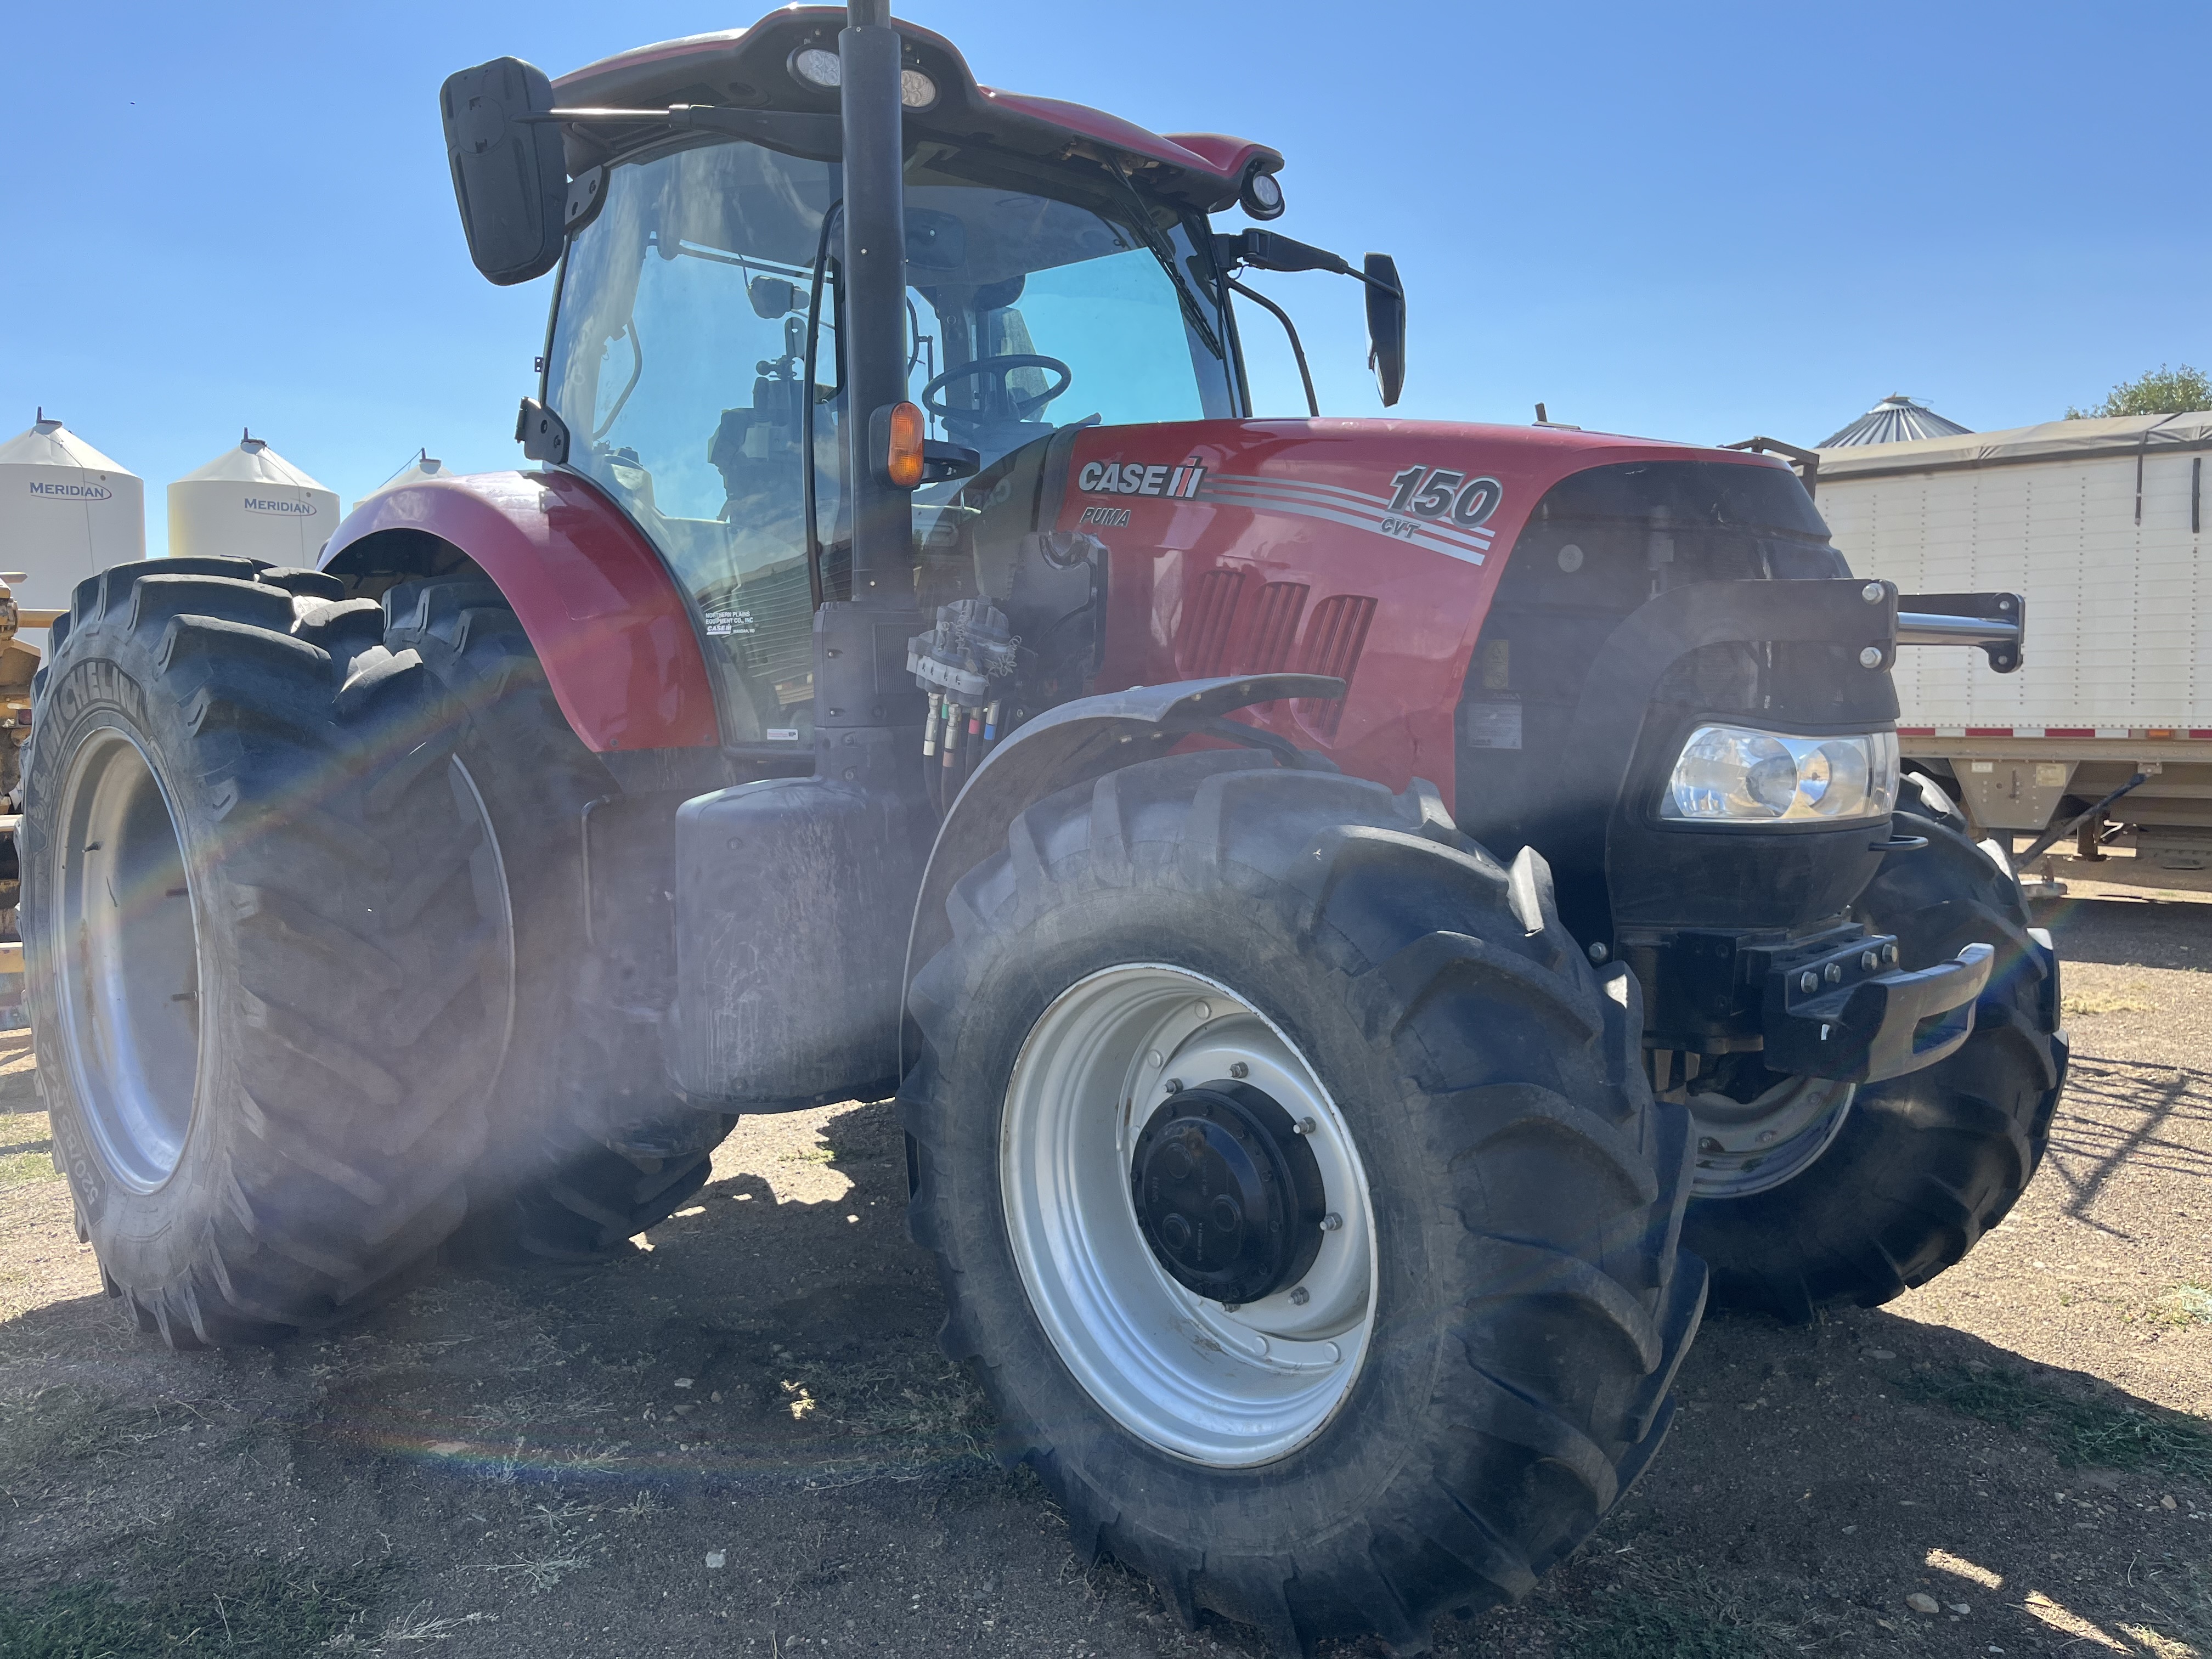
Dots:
(49, 443)
(2052, 441)
(1896, 419)
(254, 462)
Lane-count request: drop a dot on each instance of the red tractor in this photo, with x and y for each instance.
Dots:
(1371, 923)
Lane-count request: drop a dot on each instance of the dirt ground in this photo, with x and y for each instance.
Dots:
(742, 1439)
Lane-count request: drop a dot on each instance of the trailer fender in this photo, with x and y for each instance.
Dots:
(618, 643)
(1073, 743)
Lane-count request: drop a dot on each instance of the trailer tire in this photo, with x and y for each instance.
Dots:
(589, 1143)
(266, 957)
(1527, 1302)
(1926, 1163)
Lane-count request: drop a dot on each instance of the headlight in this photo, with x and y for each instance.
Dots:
(819, 66)
(1733, 774)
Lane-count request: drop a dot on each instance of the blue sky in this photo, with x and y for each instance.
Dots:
(1692, 221)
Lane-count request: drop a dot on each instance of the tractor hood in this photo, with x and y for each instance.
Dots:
(1366, 550)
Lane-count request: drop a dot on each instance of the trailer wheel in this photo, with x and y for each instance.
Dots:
(267, 951)
(1297, 1195)
(589, 1145)
(1919, 1167)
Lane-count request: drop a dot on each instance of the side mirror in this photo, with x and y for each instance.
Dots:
(510, 176)
(772, 297)
(1386, 326)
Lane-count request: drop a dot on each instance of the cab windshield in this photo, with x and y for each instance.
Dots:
(680, 347)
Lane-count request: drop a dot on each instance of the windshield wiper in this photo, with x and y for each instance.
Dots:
(1164, 251)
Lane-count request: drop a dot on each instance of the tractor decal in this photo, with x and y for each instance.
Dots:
(1179, 482)
(1375, 513)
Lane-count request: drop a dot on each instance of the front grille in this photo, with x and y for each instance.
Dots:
(1210, 623)
(1334, 640)
(1597, 549)
(1274, 628)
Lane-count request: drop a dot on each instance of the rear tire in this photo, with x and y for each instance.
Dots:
(1923, 1164)
(266, 950)
(590, 1145)
(1504, 1377)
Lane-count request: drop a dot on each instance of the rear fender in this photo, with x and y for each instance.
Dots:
(1073, 743)
(618, 644)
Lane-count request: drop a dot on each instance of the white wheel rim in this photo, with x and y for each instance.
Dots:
(1745, 1147)
(1227, 1388)
(124, 927)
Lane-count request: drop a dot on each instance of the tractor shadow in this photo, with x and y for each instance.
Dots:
(1817, 1476)
(746, 1433)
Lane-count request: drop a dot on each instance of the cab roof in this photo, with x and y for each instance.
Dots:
(750, 69)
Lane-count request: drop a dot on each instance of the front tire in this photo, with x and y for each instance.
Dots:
(266, 948)
(1504, 1294)
(1921, 1165)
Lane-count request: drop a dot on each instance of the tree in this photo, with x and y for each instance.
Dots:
(2161, 391)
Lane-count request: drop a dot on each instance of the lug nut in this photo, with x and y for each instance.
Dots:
(1173, 1085)
(1238, 1068)
(1306, 1126)
(1232, 1307)
(1871, 657)
(1809, 981)
(1870, 960)
(1833, 973)
(1300, 1296)
(1331, 1222)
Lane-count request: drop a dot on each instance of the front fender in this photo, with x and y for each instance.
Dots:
(1073, 743)
(607, 621)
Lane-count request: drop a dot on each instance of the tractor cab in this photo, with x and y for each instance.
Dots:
(697, 360)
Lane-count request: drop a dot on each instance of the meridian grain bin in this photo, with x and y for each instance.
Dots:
(250, 502)
(66, 512)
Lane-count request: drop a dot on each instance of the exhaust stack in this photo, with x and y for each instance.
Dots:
(875, 292)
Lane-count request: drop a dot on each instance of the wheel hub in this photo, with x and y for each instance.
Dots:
(1227, 1194)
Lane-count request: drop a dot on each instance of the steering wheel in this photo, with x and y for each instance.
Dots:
(1000, 401)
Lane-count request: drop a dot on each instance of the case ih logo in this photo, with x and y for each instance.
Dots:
(259, 504)
(76, 492)
(1176, 482)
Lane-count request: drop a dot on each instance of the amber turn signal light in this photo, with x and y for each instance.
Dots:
(902, 449)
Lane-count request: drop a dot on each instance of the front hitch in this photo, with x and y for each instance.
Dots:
(1878, 1024)
(1835, 1005)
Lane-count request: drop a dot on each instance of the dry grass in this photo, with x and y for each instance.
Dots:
(2188, 1303)
(2126, 999)
(45, 1430)
(193, 1598)
(1641, 1616)
(2079, 1432)
(26, 1149)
